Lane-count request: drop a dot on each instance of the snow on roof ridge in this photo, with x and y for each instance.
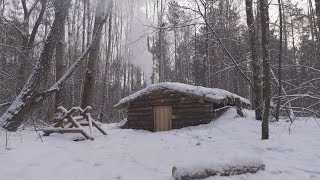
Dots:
(208, 93)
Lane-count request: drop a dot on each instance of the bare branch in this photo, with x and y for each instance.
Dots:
(38, 22)
(5, 104)
(224, 47)
(34, 5)
(14, 26)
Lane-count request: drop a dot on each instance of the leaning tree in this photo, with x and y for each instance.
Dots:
(13, 117)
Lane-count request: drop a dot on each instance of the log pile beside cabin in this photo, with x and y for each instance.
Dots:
(166, 106)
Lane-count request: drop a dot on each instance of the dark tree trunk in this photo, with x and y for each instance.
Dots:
(13, 117)
(318, 12)
(280, 63)
(206, 47)
(264, 13)
(90, 78)
(257, 82)
(105, 79)
(61, 68)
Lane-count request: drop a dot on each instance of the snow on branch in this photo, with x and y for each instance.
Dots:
(5, 104)
(56, 86)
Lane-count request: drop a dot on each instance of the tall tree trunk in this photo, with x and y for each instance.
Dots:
(206, 47)
(313, 29)
(177, 67)
(105, 79)
(90, 78)
(318, 12)
(84, 24)
(61, 67)
(14, 115)
(153, 75)
(89, 22)
(161, 39)
(280, 63)
(293, 39)
(317, 32)
(257, 82)
(71, 29)
(3, 62)
(264, 13)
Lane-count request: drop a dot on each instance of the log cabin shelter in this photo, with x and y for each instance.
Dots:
(169, 105)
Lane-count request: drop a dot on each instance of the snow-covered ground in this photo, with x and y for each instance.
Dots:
(142, 155)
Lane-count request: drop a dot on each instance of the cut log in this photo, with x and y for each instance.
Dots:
(191, 109)
(147, 108)
(226, 169)
(191, 115)
(95, 124)
(140, 117)
(192, 105)
(68, 130)
(63, 130)
(140, 113)
(85, 113)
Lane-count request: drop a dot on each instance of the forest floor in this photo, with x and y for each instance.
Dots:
(142, 155)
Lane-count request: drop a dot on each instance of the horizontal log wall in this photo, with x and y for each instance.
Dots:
(140, 118)
(191, 115)
(186, 110)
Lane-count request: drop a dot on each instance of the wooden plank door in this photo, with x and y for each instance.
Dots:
(162, 118)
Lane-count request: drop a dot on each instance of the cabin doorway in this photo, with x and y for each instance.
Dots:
(162, 118)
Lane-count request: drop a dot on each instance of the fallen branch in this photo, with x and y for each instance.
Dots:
(5, 104)
(291, 113)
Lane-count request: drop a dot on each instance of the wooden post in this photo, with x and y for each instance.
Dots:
(239, 107)
(85, 113)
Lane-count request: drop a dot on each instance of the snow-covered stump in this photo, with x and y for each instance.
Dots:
(221, 169)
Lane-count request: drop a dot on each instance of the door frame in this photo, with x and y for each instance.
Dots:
(168, 116)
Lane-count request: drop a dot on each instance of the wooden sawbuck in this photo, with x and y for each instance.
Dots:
(68, 123)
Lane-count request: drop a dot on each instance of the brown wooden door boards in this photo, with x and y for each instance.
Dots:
(162, 118)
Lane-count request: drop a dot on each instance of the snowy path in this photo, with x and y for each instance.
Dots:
(141, 155)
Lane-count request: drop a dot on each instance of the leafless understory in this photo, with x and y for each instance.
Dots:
(94, 52)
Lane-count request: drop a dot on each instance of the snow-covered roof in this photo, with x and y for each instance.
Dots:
(209, 94)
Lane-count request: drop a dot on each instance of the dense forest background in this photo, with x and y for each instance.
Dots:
(211, 43)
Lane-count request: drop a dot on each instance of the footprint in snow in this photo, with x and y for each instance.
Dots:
(60, 147)
(34, 164)
(101, 147)
(97, 164)
(117, 177)
(78, 160)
